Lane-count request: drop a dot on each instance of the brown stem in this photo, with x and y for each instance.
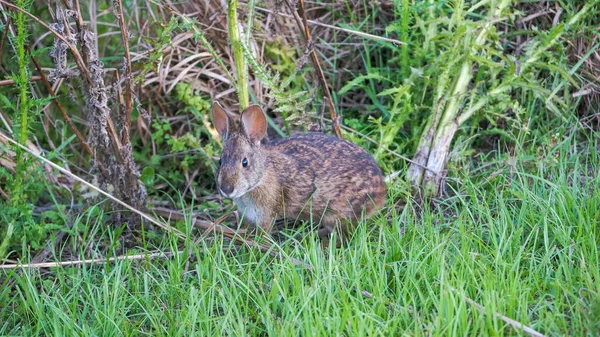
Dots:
(79, 21)
(128, 74)
(31, 79)
(303, 25)
(79, 25)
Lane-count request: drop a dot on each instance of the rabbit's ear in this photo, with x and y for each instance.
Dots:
(254, 122)
(221, 120)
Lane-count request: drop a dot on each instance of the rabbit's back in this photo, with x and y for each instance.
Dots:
(326, 176)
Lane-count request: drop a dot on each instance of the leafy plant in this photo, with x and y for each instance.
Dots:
(16, 219)
(456, 69)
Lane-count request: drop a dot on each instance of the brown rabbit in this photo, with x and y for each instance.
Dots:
(311, 177)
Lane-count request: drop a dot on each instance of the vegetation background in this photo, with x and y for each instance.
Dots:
(484, 116)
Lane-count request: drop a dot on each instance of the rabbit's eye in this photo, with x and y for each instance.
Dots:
(244, 162)
(220, 161)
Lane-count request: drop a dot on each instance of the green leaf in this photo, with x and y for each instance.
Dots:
(396, 90)
(148, 176)
(7, 103)
(358, 80)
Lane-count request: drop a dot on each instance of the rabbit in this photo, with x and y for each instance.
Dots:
(309, 177)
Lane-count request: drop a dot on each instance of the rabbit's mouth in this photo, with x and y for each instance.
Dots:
(237, 192)
(234, 194)
(227, 195)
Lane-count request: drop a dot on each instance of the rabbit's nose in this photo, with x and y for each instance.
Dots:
(227, 189)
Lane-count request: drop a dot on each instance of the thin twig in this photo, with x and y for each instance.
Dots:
(128, 73)
(79, 25)
(9, 82)
(88, 261)
(99, 190)
(515, 324)
(178, 215)
(303, 25)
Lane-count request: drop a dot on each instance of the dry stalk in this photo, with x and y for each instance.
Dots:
(31, 79)
(215, 227)
(79, 25)
(128, 75)
(303, 25)
(87, 261)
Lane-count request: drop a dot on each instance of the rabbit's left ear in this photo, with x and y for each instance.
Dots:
(254, 123)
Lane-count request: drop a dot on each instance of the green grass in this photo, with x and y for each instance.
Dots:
(525, 246)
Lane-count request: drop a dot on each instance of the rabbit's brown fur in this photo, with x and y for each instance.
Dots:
(310, 177)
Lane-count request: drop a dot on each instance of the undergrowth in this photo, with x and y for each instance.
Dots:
(516, 228)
